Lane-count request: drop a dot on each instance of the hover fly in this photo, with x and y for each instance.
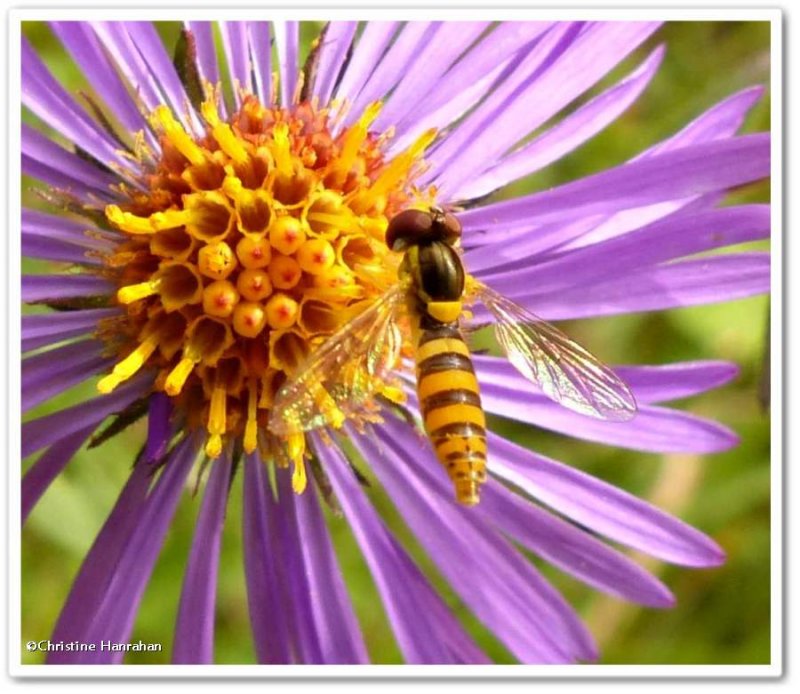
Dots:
(350, 367)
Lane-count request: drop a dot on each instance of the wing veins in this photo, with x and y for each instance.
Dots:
(566, 372)
(344, 372)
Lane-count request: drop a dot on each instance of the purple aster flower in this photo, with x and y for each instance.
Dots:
(224, 220)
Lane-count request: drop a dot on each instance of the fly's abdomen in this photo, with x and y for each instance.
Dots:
(451, 409)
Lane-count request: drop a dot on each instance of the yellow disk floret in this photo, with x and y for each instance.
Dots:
(254, 253)
(281, 311)
(242, 250)
(286, 235)
(220, 298)
(216, 260)
(315, 256)
(284, 272)
(254, 285)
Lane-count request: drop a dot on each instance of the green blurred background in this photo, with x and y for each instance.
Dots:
(723, 614)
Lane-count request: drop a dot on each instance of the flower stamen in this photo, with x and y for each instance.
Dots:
(130, 365)
(296, 448)
(216, 419)
(135, 292)
(251, 427)
(178, 137)
(352, 142)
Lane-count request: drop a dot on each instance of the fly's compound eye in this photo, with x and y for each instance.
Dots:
(446, 226)
(409, 228)
(451, 228)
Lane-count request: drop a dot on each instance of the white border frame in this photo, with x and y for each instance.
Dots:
(18, 670)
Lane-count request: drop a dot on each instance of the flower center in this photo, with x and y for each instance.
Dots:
(246, 249)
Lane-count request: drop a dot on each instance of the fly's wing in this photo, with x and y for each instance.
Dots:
(564, 370)
(344, 372)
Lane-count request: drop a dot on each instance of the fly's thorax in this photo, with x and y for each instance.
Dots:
(436, 280)
(436, 271)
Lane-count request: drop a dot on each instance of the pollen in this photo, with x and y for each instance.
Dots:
(241, 250)
(216, 260)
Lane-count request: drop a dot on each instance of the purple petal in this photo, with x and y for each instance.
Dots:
(41, 432)
(147, 43)
(59, 238)
(566, 135)
(602, 507)
(159, 430)
(371, 47)
(45, 160)
(340, 638)
(206, 55)
(566, 76)
(53, 287)
(423, 626)
(570, 548)
(261, 57)
(301, 598)
(516, 78)
(36, 223)
(234, 42)
(332, 53)
(603, 227)
(392, 66)
(286, 43)
(267, 611)
(292, 575)
(650, 384)
(42, 94)
(469, 80)
(98, 567)
(85, 49)
(41, 474)
(523, 239)
(503, 590)
(206, 51)
(701, 169)
(56, 179)
(49, 328)
(119, 45)
(685, 283)
(653, 429)
(56, 370)
(56, 250)
(113, 620)
(194, 630)
(427, 69)
(666, 239)
(720, 121)
(676, 381)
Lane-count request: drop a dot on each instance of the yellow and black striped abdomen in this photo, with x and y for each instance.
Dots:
(450, 404)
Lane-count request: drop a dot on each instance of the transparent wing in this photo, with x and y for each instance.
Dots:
(344, 372)
(564, 370)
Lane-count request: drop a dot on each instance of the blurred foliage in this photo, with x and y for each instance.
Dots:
(722, 615)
